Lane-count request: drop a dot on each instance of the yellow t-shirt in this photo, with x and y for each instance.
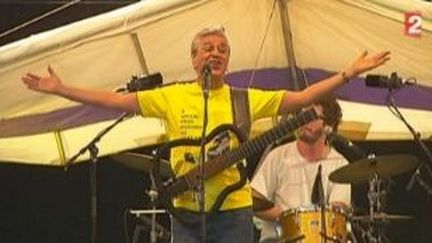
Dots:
(181, 105)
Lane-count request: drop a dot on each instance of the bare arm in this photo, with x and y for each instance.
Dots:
(271, 214)
(52, 84)
(293, 101)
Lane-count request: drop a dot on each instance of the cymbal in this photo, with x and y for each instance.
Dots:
(384, 166)
(142, 162)
(381, 218)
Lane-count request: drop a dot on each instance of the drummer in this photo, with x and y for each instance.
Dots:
(287, 175)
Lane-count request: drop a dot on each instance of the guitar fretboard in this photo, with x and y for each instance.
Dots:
(260, 142)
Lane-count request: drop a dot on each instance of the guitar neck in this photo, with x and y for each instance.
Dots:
(246, 149)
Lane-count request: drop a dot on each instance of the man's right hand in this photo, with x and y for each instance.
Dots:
(52, 84)
(48, 84)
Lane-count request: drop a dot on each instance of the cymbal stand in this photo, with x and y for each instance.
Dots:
(156, 230)
(153, 194)
(374, 232)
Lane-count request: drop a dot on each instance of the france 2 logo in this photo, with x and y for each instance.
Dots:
(413, 23)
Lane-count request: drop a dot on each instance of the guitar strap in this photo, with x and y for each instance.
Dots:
(240, 109)
(242, 120)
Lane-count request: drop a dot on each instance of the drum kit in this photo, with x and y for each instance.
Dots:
(303, 224)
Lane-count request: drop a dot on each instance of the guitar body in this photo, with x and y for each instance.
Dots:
(168, 189)
(190, 181)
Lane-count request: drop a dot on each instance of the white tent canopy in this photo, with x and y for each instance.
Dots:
(154, 36)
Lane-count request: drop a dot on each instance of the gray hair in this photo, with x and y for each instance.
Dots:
(220, 31)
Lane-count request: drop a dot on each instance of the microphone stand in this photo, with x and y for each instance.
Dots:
(201, 187)
(93, 150)
(322, 203)
(417, 138)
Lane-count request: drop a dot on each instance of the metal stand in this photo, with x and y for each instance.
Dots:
(207, 76)
(153, 194)
(157, 232)
(93, 149)
(93, 190)
(322, 202)
(416, 177)
(374, 232)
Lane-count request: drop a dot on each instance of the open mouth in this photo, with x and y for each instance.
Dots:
(215, 64)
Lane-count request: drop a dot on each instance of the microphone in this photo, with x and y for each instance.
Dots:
(317, 196)
(207, 75)
(344, 146)
(142, 83)
(381, 81)
(206, 71)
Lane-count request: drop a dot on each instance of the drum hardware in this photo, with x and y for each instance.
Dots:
(375, 196)
(295, 239)
(142, 162)
(351, 236)
(370, 234)
(381, 218)
(373, 170)
(159, 232)
(375, 232)
(139, 212)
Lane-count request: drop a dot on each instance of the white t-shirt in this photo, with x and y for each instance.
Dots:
(286, 179)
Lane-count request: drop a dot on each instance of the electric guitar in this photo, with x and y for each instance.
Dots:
(168, 189)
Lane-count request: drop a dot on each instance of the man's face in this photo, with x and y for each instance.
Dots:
(212, 49)
(313, 130)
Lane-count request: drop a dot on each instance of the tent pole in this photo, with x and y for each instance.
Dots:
(140, 53)
(60, 146)
(289, 48)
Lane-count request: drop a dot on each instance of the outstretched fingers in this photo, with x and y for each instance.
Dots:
(383, 57)
(33, 76)
(377, 59)
(52, 72)
(30, 80)
(364, 54)
(366, 62)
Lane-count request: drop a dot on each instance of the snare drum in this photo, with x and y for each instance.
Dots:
(303, 224)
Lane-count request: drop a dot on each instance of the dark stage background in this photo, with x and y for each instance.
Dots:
(46, 204)
(42, 204)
